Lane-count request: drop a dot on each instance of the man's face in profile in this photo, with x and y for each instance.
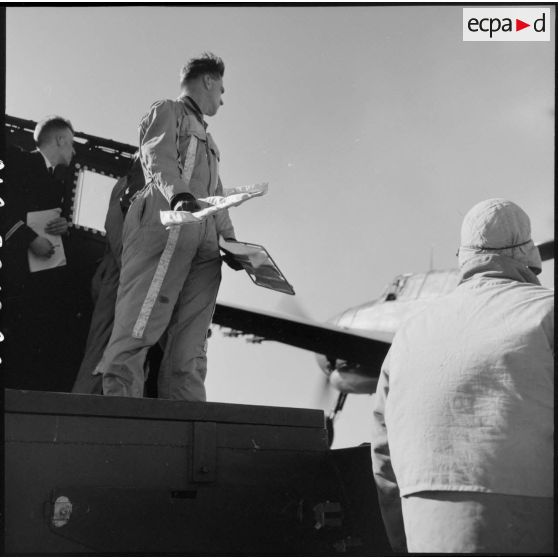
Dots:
(65, 142)
(215, 92)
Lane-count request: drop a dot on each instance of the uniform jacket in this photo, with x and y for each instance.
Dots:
(465, 400)
(165, 133)
(28, 186)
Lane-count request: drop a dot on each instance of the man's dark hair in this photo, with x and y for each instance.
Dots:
(207, 63)
(49, 125)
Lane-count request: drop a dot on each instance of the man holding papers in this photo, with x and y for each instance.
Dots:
(34, 273)
(34, 198)
(170, 276)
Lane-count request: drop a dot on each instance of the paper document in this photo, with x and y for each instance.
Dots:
(38, 220)
(259, 265)
(231, 198)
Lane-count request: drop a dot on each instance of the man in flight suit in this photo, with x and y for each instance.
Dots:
(169, 278)
(104, 285)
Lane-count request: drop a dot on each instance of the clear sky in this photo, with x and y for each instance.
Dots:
(377, 129)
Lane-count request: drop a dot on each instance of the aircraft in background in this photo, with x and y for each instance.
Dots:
(350, 348)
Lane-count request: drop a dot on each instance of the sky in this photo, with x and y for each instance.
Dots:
(376, 127)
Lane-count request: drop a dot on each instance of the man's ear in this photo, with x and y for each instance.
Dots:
(208, 81)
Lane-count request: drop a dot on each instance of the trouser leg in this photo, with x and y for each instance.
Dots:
(184, 366)
(123, 361)
(101, 327)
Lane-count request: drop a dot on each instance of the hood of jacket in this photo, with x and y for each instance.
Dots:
(498, 266)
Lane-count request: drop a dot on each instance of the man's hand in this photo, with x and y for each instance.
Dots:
(185, 202)
(231, 262)
(229, 258)
(57, 226)
(42, 247)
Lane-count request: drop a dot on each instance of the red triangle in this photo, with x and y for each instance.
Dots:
(519, 25)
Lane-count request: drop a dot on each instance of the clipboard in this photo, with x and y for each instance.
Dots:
(258, 264)
(37, 220)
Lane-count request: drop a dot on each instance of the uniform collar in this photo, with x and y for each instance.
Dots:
(48, 164)
(194, 107)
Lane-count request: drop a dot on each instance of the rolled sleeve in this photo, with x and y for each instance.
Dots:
(159, 149)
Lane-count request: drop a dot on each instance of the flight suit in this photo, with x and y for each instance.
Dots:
(104, 287)
(169, 278)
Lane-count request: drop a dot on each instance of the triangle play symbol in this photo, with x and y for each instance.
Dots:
(519, 25)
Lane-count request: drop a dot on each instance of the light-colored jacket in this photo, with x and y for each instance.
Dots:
(465, 400)
(165, 133)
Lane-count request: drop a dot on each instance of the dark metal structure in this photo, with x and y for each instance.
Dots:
(109, 476)
(89, 475)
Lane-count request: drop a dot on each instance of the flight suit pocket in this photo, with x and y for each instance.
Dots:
(213, 147)
(142, 203)
(201, 138)
(190, 125)
(132, 220)
(139, 215)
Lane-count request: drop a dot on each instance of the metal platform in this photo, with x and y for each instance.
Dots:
(99, 475)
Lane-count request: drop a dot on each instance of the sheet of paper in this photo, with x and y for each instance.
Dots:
(38, 220)
(232, 198)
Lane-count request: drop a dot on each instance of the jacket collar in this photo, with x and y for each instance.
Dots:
(41, 160)
(193, 106)
(496, 265)
(48, 164)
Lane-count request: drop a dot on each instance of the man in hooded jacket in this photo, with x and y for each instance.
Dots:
(462, 444)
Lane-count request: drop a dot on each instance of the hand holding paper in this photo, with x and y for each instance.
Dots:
(57, 226)
(39, 221)
(42, 247)
(257, 262)
(213, 204)
(230, 260)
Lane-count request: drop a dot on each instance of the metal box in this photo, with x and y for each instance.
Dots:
(110, 475)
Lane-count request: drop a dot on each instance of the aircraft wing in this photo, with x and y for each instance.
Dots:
(304, 334)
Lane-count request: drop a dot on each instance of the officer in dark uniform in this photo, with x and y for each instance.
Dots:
(34, 182)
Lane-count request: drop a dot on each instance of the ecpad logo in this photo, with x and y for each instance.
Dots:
(506, 24)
